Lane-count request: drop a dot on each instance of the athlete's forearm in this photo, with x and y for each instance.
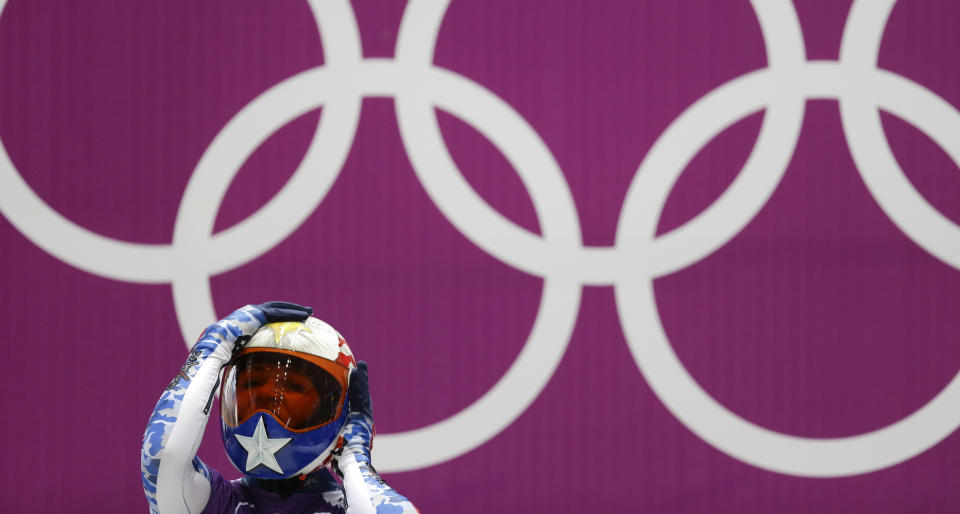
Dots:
(174, 479)
(365, 490)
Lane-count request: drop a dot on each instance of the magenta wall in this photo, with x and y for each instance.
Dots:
(777, 339)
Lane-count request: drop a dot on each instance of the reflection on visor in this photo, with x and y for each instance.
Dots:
(300, 393)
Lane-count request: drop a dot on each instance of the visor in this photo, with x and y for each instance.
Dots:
(300, 390)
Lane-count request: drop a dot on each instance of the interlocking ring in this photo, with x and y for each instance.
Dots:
(558, 255)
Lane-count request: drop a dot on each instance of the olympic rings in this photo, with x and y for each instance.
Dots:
(558, 255)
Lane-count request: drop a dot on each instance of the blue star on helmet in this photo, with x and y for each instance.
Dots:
(262, 449)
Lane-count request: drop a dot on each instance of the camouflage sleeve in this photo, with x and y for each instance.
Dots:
(365, 490)
(174, 479)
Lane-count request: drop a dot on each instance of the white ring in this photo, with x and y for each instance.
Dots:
(198, 254)
(472, 216)
(694, 407)
(71, 243)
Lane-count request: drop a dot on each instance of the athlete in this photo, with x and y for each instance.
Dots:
(293, 401)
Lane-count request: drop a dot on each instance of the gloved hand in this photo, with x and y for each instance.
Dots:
(359, 431)
(359, 392)
(284, 311)
(364, 488)
(244, 321)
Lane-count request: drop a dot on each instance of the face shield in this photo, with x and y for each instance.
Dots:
(299, 390)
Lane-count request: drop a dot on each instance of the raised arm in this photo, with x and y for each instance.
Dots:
(174, 479)
(365, 490)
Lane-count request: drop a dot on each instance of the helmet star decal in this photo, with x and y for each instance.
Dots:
(261, 449)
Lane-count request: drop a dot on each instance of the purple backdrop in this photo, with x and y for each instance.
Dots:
(819, 319)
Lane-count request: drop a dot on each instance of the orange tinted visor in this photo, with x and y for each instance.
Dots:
(302, 391)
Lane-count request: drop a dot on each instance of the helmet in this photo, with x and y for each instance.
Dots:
(283, 399)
